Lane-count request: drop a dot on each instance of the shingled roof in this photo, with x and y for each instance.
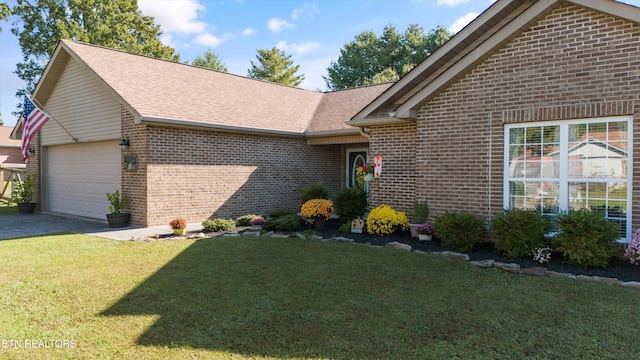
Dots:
(168, 92)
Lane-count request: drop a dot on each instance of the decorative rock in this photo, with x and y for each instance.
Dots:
(560, 275)
(452, 255)
(599, 279)
(308, 237)
(279, 236)
(199, 235)
(251, 234)
(343, 239)
(231, 235)
(631, 285)
(534, 271)
(398, 246)
(511, 267)
(420, 252)
(488, 263)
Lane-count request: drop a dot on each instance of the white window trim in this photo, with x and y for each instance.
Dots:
(564, 146)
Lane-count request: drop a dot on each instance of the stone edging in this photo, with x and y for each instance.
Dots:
(512, 268)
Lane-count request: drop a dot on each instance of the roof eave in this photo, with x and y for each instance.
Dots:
(375, 121)
(220, 127)
(324, 133)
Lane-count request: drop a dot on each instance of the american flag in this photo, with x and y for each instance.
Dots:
(32, 120)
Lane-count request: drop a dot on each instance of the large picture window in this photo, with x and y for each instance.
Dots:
(558, 166)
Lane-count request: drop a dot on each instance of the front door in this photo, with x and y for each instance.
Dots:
(357, 158)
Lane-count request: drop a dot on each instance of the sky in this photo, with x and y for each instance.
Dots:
(311, 31)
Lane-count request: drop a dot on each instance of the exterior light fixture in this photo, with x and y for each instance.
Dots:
(124, 144)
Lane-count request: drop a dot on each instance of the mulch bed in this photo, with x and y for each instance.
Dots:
(620, 268)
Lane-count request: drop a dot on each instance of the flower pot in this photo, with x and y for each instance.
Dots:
(368, 177)
(424, 237)
(256, 227)
(27, 208)
(413, 229)
(118, 220)
(319, 223)
(180, 231)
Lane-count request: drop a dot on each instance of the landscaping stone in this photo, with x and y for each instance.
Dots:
(631, 285)
(198, 235)
(342, 239)
(509, 267)
(599, 279)
(279, 236)
(230, 235)
(398, 246)
(452, 255)
(420, 252)
(534, 271)
(560, 275)
(251, 234)
(308, 237)
(488, 263)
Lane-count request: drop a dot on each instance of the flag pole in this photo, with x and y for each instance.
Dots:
(33, 99)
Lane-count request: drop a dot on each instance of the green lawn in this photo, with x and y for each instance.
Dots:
(289, 298)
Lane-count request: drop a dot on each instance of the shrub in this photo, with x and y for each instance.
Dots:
(345, 228)
(317, 209)
(217, 225)
(632, 252)
(245, 220)
(280, 213)
(459, 230)
(291, 222)
(350, 203)
(383, 220)
(420, 211)
(315, 191)
(518, 233)
(587, 238)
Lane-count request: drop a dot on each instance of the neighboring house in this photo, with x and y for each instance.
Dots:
(525, 79)
(202, 143)
(9, 149)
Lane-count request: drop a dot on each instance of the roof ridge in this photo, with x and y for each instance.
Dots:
(187, 64)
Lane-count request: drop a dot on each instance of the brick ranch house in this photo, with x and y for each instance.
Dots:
(534, 104)
(202, 143)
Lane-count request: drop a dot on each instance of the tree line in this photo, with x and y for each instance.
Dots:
(367, 59)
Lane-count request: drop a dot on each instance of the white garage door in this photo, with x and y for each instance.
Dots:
(79, 176)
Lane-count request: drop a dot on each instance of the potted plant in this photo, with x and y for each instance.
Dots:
(317, 212)
(179, 226)
(367, 170)
(425, 232)
(117, 218)
(420, 214)
(22, 194)
(257, 222)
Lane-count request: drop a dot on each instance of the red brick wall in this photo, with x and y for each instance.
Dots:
(575, 63)
(200, 174)
(134, 183)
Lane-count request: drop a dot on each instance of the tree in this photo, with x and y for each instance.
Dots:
(276, 66)
(116, 24)
(4, 14)
(372, 59)
(209, 60)
(1, 122)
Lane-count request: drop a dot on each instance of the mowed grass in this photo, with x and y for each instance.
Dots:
(227, 298)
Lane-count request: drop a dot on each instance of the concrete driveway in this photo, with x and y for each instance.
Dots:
(26, 225)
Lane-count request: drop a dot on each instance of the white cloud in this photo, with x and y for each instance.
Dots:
(277, 25)
(452, 2)
(462, 22)
(297, 48)
(208, 39)
(249, 31)
(175, 16)
(296, 12)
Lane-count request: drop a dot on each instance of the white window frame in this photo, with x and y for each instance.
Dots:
(563, 178)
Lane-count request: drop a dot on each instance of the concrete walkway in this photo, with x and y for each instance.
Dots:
(14, 226)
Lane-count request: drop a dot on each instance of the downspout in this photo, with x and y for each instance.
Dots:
(364, 133)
